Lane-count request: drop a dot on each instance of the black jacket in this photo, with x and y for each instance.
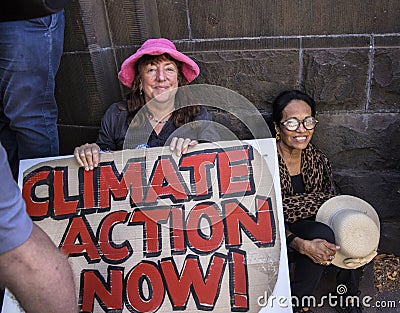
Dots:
(11, 10)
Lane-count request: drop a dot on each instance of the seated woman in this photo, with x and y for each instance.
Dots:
(306, 183)
(155, 107)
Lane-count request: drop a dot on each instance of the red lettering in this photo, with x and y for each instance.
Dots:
(205, 289)
(199, 166)
(239, 285)
(113, 253)
(198, 240)
(166, 182)
(88, 187)
(79, 240)
(64, 205)
(135, 179)
(259, 228)
(138, 300)
(111, 183)
(177, 230)
(235, 172)
(151, 219)
(37, 208)
(108, 294)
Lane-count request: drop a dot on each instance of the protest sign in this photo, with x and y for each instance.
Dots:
(148, 231)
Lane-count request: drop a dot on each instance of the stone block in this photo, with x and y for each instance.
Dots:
(385, 85)
(386, 40)
(360, 141)
(72, 136)
(86, 85)
(255, 75)
(253, 18)
(132, 22)
(329, 42)
(235, 125)
(380, 188)
(85, 26)
(227, 19)
(238, 44)
(390, 238)
(173, 19)
(336, 78)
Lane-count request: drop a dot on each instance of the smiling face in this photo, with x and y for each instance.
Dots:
(159, 79)
(300, 138)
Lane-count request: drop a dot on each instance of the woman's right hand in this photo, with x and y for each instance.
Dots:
(319, 251)
(87, 155)
(181, 145)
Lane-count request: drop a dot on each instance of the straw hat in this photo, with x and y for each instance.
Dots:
(157, 46)
(356, 226)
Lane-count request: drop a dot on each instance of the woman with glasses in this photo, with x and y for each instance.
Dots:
(306, 183)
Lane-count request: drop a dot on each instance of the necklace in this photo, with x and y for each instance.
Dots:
(151, 118)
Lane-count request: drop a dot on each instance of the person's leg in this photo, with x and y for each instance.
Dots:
(9, 142)
(8, 62)
(307, 274)
(30, 56)
(350, 279)
(347, 290)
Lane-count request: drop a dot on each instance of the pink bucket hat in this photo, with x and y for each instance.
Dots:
(157, 47)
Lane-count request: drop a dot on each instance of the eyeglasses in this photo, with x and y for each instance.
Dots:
(292, 124)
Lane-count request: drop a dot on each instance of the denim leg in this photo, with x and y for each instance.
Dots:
(30, 54)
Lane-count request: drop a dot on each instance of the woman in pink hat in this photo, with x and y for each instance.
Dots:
(155, 109)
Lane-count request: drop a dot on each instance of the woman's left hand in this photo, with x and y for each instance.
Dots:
(321, 251)
(318, 250)
(181, 145)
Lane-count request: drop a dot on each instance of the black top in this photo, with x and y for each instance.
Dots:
(11, 10)
(115, 133)
(297, 183)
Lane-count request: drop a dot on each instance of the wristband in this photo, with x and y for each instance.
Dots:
(290, 238)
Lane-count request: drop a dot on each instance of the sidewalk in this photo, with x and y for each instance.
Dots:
(380, 302)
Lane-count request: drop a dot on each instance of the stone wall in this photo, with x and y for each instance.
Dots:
(345, 53)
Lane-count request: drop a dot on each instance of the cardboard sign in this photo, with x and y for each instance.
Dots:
(147, 231)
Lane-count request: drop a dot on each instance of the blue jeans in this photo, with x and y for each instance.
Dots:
(30, 54)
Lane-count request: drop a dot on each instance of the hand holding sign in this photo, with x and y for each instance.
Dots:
(201, 229)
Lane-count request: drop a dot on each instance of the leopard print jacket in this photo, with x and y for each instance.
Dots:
(318, 183)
